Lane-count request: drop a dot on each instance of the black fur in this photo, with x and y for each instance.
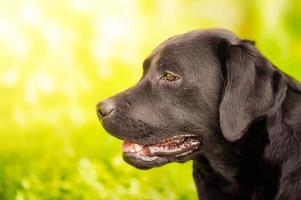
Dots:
(245, 111)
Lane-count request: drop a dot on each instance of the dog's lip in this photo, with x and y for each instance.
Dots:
(178, 145)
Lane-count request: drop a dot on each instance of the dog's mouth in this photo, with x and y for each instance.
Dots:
(167, 150)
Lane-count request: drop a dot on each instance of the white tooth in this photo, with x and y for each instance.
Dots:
(137, 147)
(132, 150)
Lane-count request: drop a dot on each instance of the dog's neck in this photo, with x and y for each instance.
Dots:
(255, 158)
(234, 169)
(225, 159)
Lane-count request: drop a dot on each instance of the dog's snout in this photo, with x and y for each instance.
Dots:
(105, 108)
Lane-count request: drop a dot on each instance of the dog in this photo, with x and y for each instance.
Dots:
(211, 97)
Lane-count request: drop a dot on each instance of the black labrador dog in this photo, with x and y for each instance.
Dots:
(210, 97)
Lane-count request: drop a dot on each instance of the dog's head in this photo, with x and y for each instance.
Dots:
(197, 89)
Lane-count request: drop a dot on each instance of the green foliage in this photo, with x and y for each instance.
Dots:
(58, 60)
(83, 166)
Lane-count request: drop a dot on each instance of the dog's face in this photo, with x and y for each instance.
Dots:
(174, 112)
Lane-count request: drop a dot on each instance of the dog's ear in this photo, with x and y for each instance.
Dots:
(253, 87)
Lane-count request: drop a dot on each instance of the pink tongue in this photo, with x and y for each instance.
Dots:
(128, 146)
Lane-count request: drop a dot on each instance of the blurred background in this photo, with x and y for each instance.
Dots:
(59, 58)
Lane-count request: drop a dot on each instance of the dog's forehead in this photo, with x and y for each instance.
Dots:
(197, 36)
(189, 43)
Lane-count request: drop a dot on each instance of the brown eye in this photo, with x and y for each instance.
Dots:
(170, 77)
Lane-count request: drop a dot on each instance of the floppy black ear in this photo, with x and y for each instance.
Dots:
(252, 87)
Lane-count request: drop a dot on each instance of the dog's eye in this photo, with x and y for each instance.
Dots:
(170, 77)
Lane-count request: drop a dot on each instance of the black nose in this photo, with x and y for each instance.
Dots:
(104, 108)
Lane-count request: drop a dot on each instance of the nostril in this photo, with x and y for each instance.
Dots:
(104, 109)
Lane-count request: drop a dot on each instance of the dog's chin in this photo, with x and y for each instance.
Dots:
(144, 163)
(179, 148)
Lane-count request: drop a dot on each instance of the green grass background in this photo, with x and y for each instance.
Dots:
(59, 58)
